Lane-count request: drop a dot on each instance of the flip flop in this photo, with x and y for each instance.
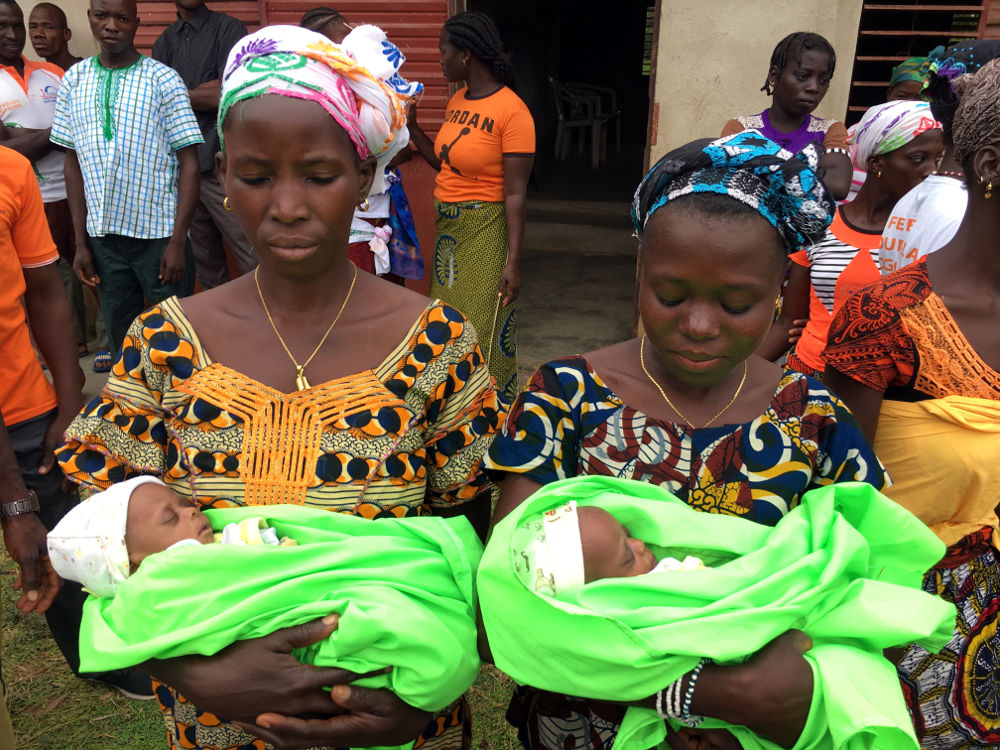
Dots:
(102, 361)
(81, 351)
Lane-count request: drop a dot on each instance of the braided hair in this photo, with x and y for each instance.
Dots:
(477, 33)
(795, 44)
(315, 19)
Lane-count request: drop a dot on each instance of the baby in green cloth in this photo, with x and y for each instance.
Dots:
(574, 545)
(404, 589)
(102, 541)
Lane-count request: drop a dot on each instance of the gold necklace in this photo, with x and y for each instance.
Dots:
(642, 361)
(301, 383)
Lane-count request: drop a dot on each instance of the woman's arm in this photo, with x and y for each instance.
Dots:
(838, 174)
(864, 402)
(265, 690)
(516, 171)
(419, 138)
(794, 308)
(770, 693)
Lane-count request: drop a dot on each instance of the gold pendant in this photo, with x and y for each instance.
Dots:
(301, 383)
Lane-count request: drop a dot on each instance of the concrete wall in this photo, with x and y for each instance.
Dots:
(82, 44)
(713, 57)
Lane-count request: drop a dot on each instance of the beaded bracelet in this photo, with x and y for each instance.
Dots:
(673, 702)
(843, 151)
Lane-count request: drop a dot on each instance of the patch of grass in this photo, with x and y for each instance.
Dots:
(53, 710)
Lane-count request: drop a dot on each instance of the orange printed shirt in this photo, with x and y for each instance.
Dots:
(475, 136)
(25, 242)
(840, 264)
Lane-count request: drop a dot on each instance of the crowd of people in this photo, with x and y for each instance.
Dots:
(816, 374)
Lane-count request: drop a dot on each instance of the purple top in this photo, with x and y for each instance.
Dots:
(813, 129)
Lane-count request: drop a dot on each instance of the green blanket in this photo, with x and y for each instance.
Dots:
(405, 590)
(845, 566)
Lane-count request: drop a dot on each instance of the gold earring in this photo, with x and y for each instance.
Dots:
(363, 206)
(878, 173)
(980, 180)
(226, 204)
(989, 190)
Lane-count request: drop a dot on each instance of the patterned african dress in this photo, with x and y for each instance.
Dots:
(403, 439)
(939, 436)
(567, 422)
(469, 255)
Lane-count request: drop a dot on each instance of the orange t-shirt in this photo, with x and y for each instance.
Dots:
(840, 264)
(25, 242)
(475, 136)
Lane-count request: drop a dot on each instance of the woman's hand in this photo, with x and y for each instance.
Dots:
(770, 693)
(256, 676)
(371, 717)
(688, 738)
(510, 283)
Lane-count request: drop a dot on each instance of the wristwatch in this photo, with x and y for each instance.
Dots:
(28, 504)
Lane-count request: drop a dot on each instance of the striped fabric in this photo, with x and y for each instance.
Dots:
(125, 125)
(827, 260)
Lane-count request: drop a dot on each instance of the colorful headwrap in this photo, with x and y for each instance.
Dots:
(977, 120)
(88, 543)
(962, 58)
(782, 187)
(913, 69)
(357, 82)
(886, 127)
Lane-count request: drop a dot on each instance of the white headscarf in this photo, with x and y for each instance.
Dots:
(88, 544)
(357, 82)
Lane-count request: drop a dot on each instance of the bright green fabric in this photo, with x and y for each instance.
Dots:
(405, 590)
(845, 566)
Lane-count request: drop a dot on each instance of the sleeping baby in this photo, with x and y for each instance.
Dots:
(141, 548)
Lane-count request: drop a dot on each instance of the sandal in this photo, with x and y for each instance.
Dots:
(82, 351)
(102, 361)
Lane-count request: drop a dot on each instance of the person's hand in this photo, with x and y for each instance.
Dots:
(24, 536)
(777, 689)
(373, 717)
(692, 738)
(252, 677)
(795, 332)
(411, 114)
(510, 284)
(54, 437)
(83, 264)
(172, 262)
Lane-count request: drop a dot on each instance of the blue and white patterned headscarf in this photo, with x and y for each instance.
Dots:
(782, 187)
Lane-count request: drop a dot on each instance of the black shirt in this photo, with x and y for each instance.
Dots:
(197, 49)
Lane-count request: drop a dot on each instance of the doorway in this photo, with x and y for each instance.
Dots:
(579, 261)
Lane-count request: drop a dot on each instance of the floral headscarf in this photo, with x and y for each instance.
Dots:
(886, 127)
(357, 82)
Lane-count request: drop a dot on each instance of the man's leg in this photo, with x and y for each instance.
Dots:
(120, 291)
(146, 256)
(212, 194)
(206, 244)
(28, 440)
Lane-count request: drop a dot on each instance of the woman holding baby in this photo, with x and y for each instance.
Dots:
(689, 407)
(305, 382)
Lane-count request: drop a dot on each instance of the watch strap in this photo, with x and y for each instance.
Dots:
(27, 504)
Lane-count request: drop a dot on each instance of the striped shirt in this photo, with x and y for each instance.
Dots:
(125, 125)
(840, 264)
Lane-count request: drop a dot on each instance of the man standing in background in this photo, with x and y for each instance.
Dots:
(131, 170)
(196, 45)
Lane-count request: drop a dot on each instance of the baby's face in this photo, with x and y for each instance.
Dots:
(159, 517)
(608, 549)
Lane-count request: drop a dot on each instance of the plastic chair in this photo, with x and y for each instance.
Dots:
(607, 109)
(576, 111)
